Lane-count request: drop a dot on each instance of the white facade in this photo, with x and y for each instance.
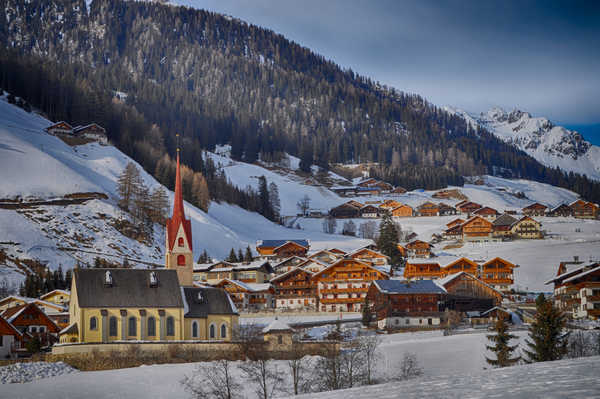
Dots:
(7, 344)
(409, 322)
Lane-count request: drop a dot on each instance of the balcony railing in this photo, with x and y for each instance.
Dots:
(342, 290)
(341, 300)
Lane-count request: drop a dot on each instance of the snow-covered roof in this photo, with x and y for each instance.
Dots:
(64, 292)
(252, 287)
(71, 328)
(289, 272)
(278, 243)
(408, 287)
(277, 325)
(585, 273)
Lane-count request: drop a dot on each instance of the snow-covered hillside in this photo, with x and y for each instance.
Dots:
(551, 145)
(37, 166)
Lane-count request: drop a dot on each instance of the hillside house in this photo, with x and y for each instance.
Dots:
(295, 290)
(422, 270)
(342, 286)
(584, 210)
(402, 304)
(447, 210)
(258, 271)
(577, 291)
(288, 264)
(31, 321)
(325, 256)
(461, 265)
(562, 210)
(477, 229)
(281, 249)
(369, 211)
(487, 213)
(468, 293)
(345, 211)
(398, 191)
(92, 131)
(428, 209)
(11, 339)
(467, 207)
(61, 127)
(369, 256)
(527, 228)
(249, 296)
(501, 226)
(402, 211)
(535, 209)
(455, 222)
(314, 266)
(59, 297)
(418, 249)
(498, 273)
(453, 233)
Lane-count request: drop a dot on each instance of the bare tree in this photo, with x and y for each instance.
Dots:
(369, 346)
(352, 363)
(304, 205)
(367, 229)
(329, 225)
(299, 367)
(213, 380)
(409, 368)
(349, 228)
(249, 338)
(327, 373)
(267, 378)
(127, 185)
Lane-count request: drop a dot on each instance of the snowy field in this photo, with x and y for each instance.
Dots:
(453, 367)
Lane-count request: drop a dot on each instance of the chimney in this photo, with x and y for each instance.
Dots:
(576, 258)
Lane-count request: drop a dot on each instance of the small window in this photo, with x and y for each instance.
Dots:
(132, 327)
(42, 329)
(93, 323)
(112, 326)
(194, 329)
(33, 329)
(151, 327)
(181, 260)
(170, 326)
(180, 242)
(280, 339)
(223, 331)
(212, 332)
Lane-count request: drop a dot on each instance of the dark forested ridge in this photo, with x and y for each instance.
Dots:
(218, 80)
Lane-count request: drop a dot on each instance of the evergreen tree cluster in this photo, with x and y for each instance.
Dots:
(217, 80)
(387, 242)
(241, 256)
(44, 281)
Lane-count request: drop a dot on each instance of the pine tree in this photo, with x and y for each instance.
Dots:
(367, 313)
(501, 348)
(240, 256)
(388, 239)
(232, 258)
(248, 256)
(548, 341)
(274, 201)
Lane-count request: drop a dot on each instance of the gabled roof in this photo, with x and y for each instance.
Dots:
(408, 287)
(495, 308)
(456, 221)
(501, 260)
(504, 220)
(524, 218)
(417, 241)
(130, 288)
(290, 272)
(277, 325)
(590, 269)
(201, 302)
(473, 218)
(12, 314)
(467, 260)
(59, 123)
(80, 128)
(486, 210)
(10, 327)
(286, 260)
(445, 280)
(356, 251)
(556, 208)
(70, 329)
(279, 243)
(250, 287)
(347, 260)
(40, 302)
(64, 292)
(536, 205)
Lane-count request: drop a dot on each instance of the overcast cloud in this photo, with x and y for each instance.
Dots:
(539, 56)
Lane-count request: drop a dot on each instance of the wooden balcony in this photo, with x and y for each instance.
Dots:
(342, 300)
(498, 280)
(593, 298)
(343, 290)
(257, 300)
(293, 286)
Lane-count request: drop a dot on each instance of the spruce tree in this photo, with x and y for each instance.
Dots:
(232, 258)
(248, 256)
(240, 256)
(501, 348)
(548, 341)
(367, 314)
(388, 238)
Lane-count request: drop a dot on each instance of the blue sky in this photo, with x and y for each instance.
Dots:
(538, 56)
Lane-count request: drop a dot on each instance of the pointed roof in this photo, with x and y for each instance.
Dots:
(178, 217)
(277, 325)
(504, 220)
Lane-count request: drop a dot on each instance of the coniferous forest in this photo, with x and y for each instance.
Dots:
(217, 80)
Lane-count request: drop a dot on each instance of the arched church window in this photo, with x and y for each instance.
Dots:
(151, 327)
(93, 323)
(112, 326)
(180, 241)
(170, 326)
(212, 332)
(194, 329)
(132, 327)
(223, 331)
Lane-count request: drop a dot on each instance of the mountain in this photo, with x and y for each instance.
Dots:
(147, 71)
(553, 146)
(36, 167)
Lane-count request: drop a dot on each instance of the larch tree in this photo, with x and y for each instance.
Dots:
(501, 347)
(275, 201)
(127, 185)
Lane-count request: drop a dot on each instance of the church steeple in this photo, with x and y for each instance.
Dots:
(179, 255)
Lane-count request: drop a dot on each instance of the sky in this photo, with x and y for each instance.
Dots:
(539, 56)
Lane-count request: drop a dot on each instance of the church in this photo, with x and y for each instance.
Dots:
(109, 305)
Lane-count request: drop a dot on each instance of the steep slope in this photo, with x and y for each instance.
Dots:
(553, 146)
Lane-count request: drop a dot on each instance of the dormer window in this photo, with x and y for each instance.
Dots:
(199, 296)
(108, 280)
(153, 279)
(180, 242)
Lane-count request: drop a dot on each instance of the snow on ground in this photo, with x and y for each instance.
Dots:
(26, 372)
(298, 318)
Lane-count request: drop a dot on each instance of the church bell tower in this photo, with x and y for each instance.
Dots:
(179, 255)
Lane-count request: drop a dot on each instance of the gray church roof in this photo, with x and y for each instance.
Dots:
(128, 288)
(200, 302)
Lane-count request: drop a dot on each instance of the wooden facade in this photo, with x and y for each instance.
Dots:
(369, 211)
(295, 290)
(345, 211)
(248, 296)
(30, 319)
(422, 270)
(535, 209)
(325, 256)
(370, 256)
(577, 291)
(477, 228)
(403, 211)
(461, 265)
(498, 273)
(418, 249)
(467, 207)
(487, 213)
(468, 293)
(527, 228)
(428, 209)
(584, 210)
(455, 222)
(282, 249)
(342, 287)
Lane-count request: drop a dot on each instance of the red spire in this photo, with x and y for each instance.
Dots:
(178, 217)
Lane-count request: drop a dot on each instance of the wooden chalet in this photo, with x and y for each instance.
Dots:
(325, 256)
(355, 203)
(468, 293)
(447, 210)
(468, 207)
(422, 270)
(258, 271)
(498, 273)
(501, 226)
(92, 131)
(369, 211)
(282, 248)
(59, 297)
(11, 339)
(342, 287)
(402, 304)
(368, 182)
(584, 210)
(369, 256)
(487, 213)
(295, 290)
(577, 291)
(50, 308)
(248, 296)
(527, 228)
(461, 265)
(402, 211)
(371, 190)
(535, 209)
(61, 127)
(288, 264)
(418, 249)
(477, 229)
(314, 266)
(345, 211)
(384, 186)
(455, 222)
(454, 232)
(428, 209)
(398, 190)
(562, 210)
(497, 313)
(31, 321)
(337, 251)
